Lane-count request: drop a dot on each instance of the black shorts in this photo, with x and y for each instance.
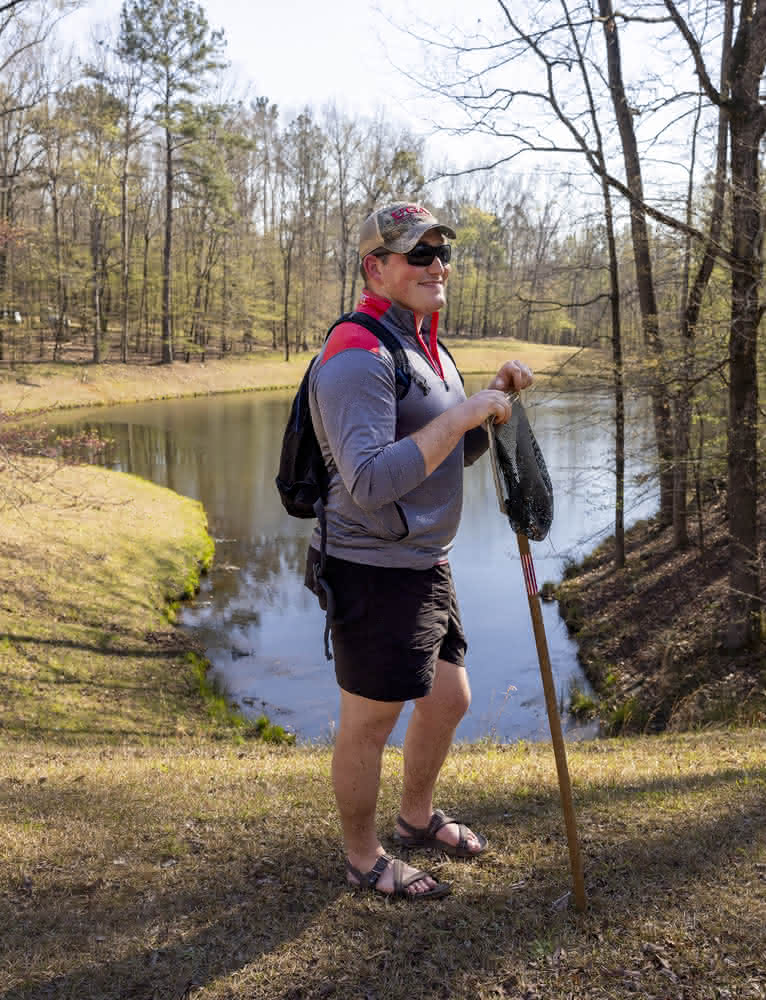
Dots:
(390, 626)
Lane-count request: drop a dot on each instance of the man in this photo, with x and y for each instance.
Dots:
(393, 509)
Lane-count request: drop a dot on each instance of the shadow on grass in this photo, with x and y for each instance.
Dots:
(101, 647)
(266, 906)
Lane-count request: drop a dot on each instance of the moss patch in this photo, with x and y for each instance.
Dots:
(90, 561)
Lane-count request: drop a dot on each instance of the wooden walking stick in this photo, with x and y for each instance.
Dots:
(549, 689)
(554, 721)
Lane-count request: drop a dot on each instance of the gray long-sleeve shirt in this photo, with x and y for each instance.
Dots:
(382, 509)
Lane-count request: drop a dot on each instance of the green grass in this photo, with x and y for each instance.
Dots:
(91, 565)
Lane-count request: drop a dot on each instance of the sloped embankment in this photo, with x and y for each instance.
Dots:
(91, 563)
(651, 636)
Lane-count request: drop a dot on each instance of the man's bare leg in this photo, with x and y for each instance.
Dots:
(365, 725)
(426, 744)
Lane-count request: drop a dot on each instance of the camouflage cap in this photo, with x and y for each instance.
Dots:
(398, 228)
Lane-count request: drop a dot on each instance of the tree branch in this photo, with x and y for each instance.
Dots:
(699, 64)
(10, 5)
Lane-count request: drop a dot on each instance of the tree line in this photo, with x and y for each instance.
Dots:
(146, 214)
(143, 216)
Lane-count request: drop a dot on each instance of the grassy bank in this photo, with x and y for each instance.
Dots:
(36, 387)
(91, 564)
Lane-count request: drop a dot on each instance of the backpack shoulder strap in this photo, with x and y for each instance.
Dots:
(403, 373)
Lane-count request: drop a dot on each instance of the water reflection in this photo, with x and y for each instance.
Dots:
(263, 630)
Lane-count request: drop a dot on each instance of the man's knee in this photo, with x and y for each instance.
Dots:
(450, 697)
(457, 703)
(363, 720)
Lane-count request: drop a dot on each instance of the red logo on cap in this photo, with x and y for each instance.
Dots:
(400, 213)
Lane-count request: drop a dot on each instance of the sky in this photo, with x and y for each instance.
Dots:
(367, 56)
(301, 52)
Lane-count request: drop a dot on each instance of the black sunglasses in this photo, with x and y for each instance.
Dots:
(422, 254)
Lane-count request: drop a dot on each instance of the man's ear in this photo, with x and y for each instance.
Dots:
(372, 266)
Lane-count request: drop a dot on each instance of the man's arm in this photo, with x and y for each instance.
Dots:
(441, 436)
(355, 396)
(438, 438)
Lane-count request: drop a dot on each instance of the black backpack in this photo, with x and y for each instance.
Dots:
(302, 480)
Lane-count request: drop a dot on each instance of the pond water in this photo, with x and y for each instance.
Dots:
(262, 630)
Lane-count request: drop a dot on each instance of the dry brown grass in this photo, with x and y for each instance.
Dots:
(32, 388)
(651, 637)
(144, 853)
(199, 870)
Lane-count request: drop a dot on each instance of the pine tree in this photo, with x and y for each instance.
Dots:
(172, 42)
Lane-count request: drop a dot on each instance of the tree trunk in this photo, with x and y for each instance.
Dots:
(125, 264)
(286, 302)
(747, 227)
(488, 282)
(747, 122)
(61, 294)
(5, 216)
(225, 293)
(619, 383)
(95, 253)
(643, 262)
(693, 299)
(144, 306)
(167, 254)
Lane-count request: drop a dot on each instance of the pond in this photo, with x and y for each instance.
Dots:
(262, 630)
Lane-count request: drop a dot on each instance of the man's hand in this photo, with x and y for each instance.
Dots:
(487, 404)
(512, 377)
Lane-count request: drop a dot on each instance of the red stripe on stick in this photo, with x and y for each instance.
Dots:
(529, 574)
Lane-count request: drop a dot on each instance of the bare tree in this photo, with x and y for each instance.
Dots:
(345, 138)
(744, 106)
(559, 129)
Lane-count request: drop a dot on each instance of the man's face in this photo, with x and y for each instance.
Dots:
(421, 289)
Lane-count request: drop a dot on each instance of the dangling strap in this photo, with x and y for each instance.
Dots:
(319, 575)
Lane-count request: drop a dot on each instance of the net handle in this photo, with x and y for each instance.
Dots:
(546, 673)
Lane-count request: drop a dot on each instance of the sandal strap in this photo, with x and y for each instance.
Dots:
(402, 883)
(412, 831)
(369, 880)
(377, 870)
(437, 821)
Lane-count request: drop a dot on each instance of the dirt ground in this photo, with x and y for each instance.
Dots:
(651, 637)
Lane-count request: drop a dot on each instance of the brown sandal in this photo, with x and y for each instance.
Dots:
(369, 880)
(425, 836)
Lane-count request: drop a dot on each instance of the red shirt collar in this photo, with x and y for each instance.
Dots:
(376, 305)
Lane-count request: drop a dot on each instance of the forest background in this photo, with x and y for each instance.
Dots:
(153, 210)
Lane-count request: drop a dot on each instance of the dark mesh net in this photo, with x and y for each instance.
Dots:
(523, 485)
